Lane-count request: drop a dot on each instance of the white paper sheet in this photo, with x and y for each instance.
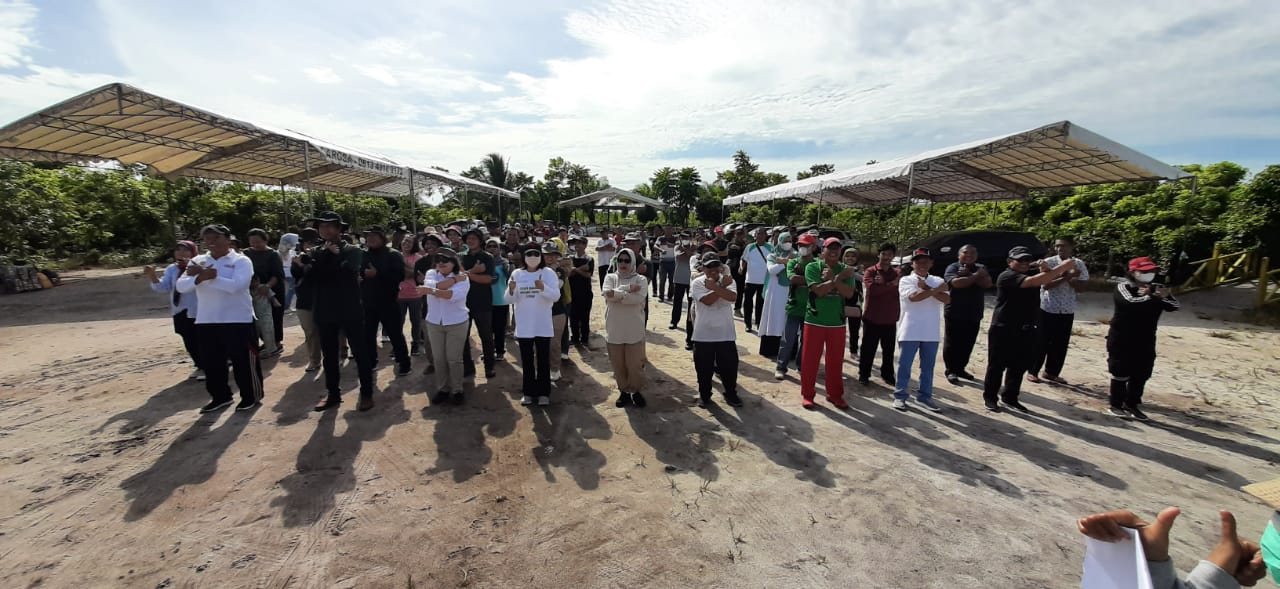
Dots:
(1115, 565)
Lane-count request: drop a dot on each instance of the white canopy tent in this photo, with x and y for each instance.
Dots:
(613, 198)
(1008, 167)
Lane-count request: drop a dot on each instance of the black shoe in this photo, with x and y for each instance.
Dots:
(215, 406)
(440, 397)
(671, 327)
(624, 399)
(1118, 412)
(330, 402)
(456, 398)
(490, 373)
(1016, 405)
(248, 405)
(365, 404)
(733, 400)
(704, 401)
(430, 370)
(637, 400)
(1137, 414)
(864, 381)
(688, 346)
(992, 406)
(965, 375)
(889, 380)
(952, 378)
(403, 370)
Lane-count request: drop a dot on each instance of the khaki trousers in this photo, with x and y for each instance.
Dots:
(557, 323)
(628, 362)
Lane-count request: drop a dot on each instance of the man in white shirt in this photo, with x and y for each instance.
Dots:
(922, 297)
(755, 268)
(224, 320)
(715, 349)
(1057, 314)
(605, 248)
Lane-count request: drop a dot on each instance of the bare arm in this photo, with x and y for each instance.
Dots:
(1044, 278)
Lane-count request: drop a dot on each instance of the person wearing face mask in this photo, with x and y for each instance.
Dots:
(624, 294)
(181, 306)
(1131, 336)
(532, 291)
(773, 319)
(797, 303)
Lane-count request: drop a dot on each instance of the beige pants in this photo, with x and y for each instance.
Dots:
(310, 336)
(446, 343)
(557, 323)
(266, 330)
(628, 362)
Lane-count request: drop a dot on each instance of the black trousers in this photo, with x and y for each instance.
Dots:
(535, 361)
(1130, 364)
(738, 279)
(580, 318)
(185, 326)
(1055, 335)
(501, 318)
(877, 335)
(957, 346)
(678, 292)
(385, 313)
(666, 278)
(359, 348)
(688, 322)
(237, 342)
(277, 317)
(752, 302)
(603, 270)
(716, 358)
(1009, 352)
(855, 326)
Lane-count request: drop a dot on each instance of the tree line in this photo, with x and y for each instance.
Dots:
(55, 212)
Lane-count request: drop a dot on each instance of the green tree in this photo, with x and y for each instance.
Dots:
(815, 170)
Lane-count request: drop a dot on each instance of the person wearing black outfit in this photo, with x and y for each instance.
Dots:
(1011, 340)
(733, 261)
(336, 267)
(1131, 336)
(580, 291)
(382, 271)
(304, 294)
(481, 271)
(269, 270)
(962, 317)
(431, 243)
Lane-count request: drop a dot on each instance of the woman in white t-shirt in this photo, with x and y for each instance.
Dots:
(531, 292)
(446, 288)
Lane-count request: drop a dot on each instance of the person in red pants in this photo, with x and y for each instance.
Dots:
(830, 283)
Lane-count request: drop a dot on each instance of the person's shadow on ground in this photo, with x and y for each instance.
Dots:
(459, 432)
(191, 459)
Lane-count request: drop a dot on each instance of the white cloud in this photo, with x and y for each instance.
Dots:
(16, 20)
(322, 75)
(380, 73)
(263, 78)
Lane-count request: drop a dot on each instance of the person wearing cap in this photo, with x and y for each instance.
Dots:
(479, 266)
(606, 247)
(224, 320)
(580, 291)
(408, 300)
(501, 307)
(880, 316)
(1057, 314)
(534, 289)
(721, 244)
(182, 307)
(777, 287)
(962, 317)
(336, 267)
(753, 267)
(922, 297)
(797, 304)
(715, 348)
(454, 236)
(382, 271)
(1011, 339)
(1131, 336)
(268, 268)
(625, 291)
(830, 282)
(448, 320)
(305, 292)
(681, 276)
(695, 268)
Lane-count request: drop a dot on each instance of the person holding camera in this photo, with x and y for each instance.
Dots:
(1131, 336)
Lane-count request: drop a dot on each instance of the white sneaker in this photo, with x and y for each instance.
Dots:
(555, 375)
(899, 404)
(779, 375)
(526, 400)
(564, 356)
(544, 401)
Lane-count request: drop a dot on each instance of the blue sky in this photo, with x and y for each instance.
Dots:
(628, 87)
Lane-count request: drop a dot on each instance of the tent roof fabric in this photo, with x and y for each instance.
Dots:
(1008, 167)
(613, 197)
(120, 123)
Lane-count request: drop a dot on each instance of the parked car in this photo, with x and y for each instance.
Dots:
(993, 248)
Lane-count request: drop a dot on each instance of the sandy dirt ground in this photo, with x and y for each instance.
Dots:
(111, 479)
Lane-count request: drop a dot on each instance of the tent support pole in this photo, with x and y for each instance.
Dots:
(413, 202)
(906, 210)
(931, 203)
(306, 166)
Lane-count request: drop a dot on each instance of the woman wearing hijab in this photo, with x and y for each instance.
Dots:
(531, 293)
(446, 287)
(776, 288)
(625, 293)
(182, 306)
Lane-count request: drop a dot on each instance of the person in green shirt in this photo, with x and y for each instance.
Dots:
(830, 283)
(797, 304)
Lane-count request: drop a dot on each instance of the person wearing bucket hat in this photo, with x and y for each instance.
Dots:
(382, 271)
(182, 307)
(1011, 339)
(480, 268)
(533, 290)
(715, 348)
(224, 320)
(1131, 336)
(336, 267)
